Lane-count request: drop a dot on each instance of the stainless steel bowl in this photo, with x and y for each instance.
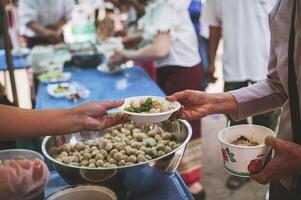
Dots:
(19, 154)
(84, 193)
(132, 180)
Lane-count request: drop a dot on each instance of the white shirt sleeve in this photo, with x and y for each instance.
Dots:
(27, 11)
(212, 13)
(162, 16)
(68, 7)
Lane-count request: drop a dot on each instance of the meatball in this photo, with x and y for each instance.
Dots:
(108, 147)
(132, 159)
(121, 145)
(79, 146)
(150, 142)
(99, 163)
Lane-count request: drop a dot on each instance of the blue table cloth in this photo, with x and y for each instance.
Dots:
(19, 61)
(171, 187)
(131, 82)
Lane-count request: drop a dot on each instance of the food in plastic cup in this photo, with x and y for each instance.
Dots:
(239, 160)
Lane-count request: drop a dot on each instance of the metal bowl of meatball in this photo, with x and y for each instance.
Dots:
(128, 158)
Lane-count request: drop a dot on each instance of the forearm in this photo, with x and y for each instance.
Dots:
(57, 26)
(149, 52)
(132, 42)
(158, 49)
(214, 38)
(262, 97)
(24, 123)
(38, 28)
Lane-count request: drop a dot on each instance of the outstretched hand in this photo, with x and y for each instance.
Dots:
(94, 115)
(195, 104)
(118, 58)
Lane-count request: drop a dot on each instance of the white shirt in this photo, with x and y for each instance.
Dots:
(246, 36)
(45, 12)
(173, 17)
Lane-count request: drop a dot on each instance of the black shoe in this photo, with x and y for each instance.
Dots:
(199, 196)
(234, 182)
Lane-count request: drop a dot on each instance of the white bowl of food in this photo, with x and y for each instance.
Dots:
(21, 51)
(150, 109)
(85, 192)
(61, 90)
(243, 148)
(54, 75)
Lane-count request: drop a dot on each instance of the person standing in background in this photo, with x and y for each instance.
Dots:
(41, 20)
(173, 46)
(245, 29)
(195, 11)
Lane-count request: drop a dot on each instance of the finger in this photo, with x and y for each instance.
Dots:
(266, 175)
(178, 96)
(255, 166)
(171, 98)
(178, 115)
(188, 114)
(262, 177)
(107, 105)
(273, 142)
(110, 121)
(174, 116)
(91, 124)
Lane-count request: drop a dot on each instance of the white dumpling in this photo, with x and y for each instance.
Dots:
(135, 104)
(142, 101)
(154, 110)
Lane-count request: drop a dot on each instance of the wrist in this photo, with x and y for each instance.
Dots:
(47, 32)
(130, 55)
(224, 103)
(75, 119)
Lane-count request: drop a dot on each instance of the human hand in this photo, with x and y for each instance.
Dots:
(23, 179)
(93, 116)
(196, 104)
(118, 58)
(211, 71)
(286, 161)
(57, 25)
(54, 36)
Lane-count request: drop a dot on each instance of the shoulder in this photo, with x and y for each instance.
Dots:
(29, 3)
(212, 12)
(67, 2)
(178, 5)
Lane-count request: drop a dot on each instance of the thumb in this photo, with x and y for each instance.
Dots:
(171, 98)
(272, 142)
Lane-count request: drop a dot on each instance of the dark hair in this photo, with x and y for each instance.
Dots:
(106, 22)
(143, 1)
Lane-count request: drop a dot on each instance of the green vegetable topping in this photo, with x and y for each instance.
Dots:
(145, 107)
